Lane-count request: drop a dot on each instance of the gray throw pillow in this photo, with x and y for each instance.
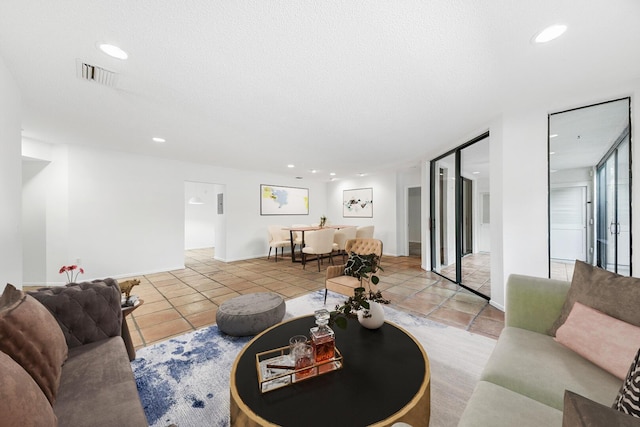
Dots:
(86, 312)
(615, 295)
(30, 335)
(628, 400)
(582, 412)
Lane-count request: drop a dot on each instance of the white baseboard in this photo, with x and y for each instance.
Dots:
(496, 305)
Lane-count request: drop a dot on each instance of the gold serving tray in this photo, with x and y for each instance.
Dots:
(281, 373)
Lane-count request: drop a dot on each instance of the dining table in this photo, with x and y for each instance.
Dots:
(302, 230)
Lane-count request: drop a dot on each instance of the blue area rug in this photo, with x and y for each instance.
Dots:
(185, 380)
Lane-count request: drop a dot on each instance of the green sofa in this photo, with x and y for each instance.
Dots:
(524, 381)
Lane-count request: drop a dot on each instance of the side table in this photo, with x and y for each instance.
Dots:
(126, 335)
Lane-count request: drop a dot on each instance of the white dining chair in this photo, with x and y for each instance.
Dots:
(318, 243)
(365, 232)
(278, 239)
(340, 239)
(297, 235)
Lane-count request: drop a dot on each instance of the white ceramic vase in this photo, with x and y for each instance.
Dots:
(377, 316)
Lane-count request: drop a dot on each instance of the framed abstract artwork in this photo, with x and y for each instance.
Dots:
(277, 200)
(357, 203)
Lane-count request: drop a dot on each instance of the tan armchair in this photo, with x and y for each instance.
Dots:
(335, 279)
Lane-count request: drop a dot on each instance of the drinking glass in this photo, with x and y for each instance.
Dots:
(295, 341)
(303, 356)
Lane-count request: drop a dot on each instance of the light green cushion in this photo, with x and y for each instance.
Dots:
(534, 303)
(495, 406)
(536, 366)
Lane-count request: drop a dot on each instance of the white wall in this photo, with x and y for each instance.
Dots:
(384, 206)
(524, 197)
(123, 214)
(34, 221)
(10, 181)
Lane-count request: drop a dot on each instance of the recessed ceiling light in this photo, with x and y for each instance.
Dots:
(553, 135)
(113, 51)
(156, 139)
(291, 166)
(361, 174)
(332, 174)
(550, 33)
(476, 172)
(313, 171)
(552, 152)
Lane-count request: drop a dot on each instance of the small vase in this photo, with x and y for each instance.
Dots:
(377, 316)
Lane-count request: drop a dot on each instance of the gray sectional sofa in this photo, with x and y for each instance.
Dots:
(524, 381)
(62, 360)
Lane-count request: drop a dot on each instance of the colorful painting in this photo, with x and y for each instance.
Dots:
(358, 203)
(275, 200)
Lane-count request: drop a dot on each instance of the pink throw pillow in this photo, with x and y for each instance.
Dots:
(603, 340)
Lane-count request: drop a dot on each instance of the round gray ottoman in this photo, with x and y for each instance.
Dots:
(250, 314)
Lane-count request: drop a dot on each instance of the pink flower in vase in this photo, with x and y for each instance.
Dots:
(72, 272)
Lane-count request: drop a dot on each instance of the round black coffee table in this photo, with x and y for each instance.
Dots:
(385, 379)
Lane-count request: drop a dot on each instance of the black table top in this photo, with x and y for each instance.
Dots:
(383, 371)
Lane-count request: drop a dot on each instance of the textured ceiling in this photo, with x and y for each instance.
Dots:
(337, 86)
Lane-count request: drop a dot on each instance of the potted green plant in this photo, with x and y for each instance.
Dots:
(359, 305)
(360, 302)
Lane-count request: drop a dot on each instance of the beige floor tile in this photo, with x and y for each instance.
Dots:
(401, 290)
(222, 298)
(187, 299)
(165, 330)
(488, 327)
(454, 316)
(179, 292)
(490, 312)
(253, 290)
(151, 307)
(466, 307)
(156, 318)
(214, 293)
(291, 291)
(205, 283)
(196, 307)
(203, 318)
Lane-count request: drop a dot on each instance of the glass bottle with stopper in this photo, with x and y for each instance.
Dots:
(322, 337)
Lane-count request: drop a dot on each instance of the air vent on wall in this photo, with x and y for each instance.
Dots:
(94, 73)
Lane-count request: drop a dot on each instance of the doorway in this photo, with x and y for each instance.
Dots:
(204, 226)
(614, 220)
(460, 221)
(414, 216)
(589, 188)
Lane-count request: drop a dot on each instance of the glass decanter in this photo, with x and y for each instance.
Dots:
(323, 338)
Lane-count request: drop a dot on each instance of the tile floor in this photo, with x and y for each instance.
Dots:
(476, 272)
(179, 301)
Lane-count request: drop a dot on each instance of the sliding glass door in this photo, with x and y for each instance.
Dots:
(460, 244)
(614, 230)
(589, 188)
